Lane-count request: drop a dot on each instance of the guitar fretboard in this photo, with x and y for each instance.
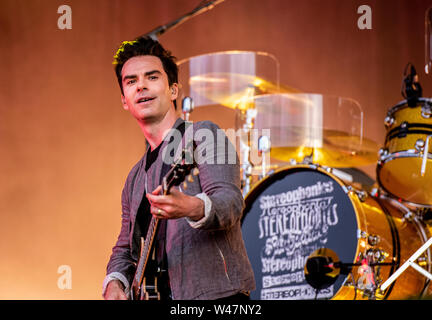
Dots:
(147, 245)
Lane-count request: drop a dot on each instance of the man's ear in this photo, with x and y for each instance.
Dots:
(125, 106)
(174, 91)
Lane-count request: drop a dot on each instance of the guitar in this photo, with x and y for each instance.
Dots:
(145, 282)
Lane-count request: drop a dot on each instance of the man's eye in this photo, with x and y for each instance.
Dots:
(153, 77)
(130, 81)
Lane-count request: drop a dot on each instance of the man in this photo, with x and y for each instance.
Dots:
(201, 241)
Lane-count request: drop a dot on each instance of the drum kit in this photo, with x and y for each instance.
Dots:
(314, 225)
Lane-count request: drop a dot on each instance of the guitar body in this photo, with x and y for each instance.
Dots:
(150, 279)
(154, 285)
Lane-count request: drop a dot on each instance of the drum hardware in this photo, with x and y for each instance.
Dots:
(323, 267)
(263, 149)
(411, 87)
(414, 218)
(383, 154)
(249, 115)
(425, 155)
(341, 174)
(361, 195)
(187, 107)
(410, 263)
(403, 130)
(373, 240)
(377, 254)
(423, 254)
(426, 110)
(384, 230)
(419, 145)
(424, 213)
(388, 121)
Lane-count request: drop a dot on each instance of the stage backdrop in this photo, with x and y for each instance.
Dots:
(67, 145)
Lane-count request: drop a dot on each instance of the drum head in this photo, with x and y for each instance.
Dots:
(288, 216)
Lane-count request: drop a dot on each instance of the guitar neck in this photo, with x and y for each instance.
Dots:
(146, 249)
(174, 176)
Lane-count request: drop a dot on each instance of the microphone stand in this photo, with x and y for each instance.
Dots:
(202, 7)
(348, 265)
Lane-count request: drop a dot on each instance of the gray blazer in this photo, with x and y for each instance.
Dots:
(206, 260)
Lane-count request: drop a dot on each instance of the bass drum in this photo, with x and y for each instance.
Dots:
(302, 208)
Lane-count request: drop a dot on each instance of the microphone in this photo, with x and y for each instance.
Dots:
(320, 270)
(187, 107)
(323, 267)
(411, 88)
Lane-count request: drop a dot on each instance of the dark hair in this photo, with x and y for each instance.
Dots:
(144, 46)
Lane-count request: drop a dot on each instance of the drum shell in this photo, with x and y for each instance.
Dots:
(399, 238)
(380, 217)
(400, 165)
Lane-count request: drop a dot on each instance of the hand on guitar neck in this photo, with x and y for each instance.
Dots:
(175, 205)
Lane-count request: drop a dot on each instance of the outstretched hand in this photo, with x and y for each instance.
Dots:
(175, 205)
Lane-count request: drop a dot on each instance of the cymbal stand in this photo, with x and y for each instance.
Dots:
(410, 263)
(245, 150)
(187, 107)
(263, 148)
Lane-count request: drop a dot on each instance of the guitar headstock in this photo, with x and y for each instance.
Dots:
(182, 169)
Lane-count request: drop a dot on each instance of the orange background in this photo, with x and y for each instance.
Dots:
(67, 145)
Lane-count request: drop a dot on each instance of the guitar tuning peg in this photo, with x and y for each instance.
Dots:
(185, 185)
(190, 178)
(195, 171)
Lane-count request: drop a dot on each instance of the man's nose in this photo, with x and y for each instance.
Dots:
(141, 85)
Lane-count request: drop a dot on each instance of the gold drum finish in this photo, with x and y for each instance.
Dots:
(404, 168)
(299, 209)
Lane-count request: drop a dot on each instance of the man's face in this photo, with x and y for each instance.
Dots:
(146, 92)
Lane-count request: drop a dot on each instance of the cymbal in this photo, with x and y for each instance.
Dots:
(338, 149)
(234, 90)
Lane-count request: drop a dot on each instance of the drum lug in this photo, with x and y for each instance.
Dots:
(377, 255)
(419, 145)
(307, 160)
(375, 192)
(361, 195)
(361, 234)
(426, 111)
(373, 240)
(383, 153)
(422, 261)
(388, 121)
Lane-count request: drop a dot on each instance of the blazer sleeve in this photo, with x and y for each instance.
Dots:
(219, 175)
(121, 264)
